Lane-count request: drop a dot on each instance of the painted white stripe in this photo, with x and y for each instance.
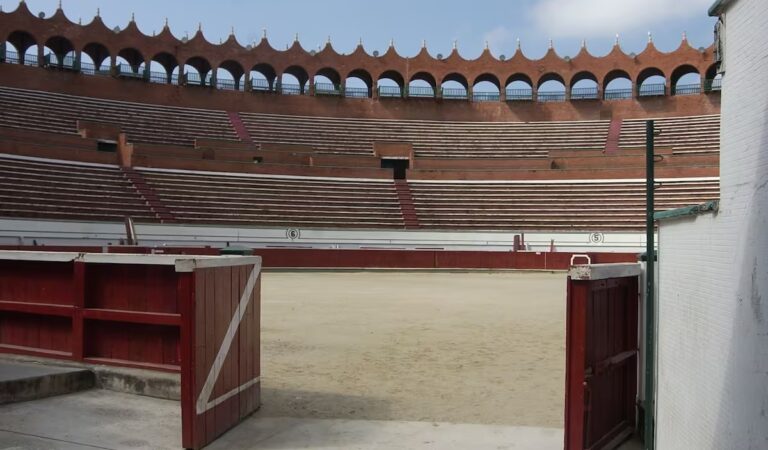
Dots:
(204, 402)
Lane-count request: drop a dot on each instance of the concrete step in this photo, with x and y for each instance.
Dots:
(20, 381)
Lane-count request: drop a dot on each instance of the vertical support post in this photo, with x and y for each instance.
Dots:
(649, 288)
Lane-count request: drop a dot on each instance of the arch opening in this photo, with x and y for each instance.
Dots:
(390, 84)
(262, 77)
(686, 80)
(60, 53)
(551, 88)
(584, 86)
(486, 88)
(519, 87)
(197, 71)
(162, 67)
(327, 81)
(229, 75)
(359, 84)
(95, 58)
(617, 85)
(651, 82)
(422, 85)
(713, 81)
(294, 81)
(454, 87)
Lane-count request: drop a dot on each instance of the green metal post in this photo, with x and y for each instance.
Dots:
(650, 253)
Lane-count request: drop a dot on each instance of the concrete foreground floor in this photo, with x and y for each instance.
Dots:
(109, 420)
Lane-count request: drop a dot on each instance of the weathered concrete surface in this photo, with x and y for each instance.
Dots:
(284, 433)
(26, 381)
(95, 418)
(150, 383)
(104, 419)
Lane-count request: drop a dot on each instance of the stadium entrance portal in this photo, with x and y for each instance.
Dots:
(399, 166)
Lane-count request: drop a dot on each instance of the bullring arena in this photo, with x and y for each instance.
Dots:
(239, 246)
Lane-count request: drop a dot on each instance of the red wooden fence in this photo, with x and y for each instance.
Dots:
(389, 259)
(197, 315)
(601, 355)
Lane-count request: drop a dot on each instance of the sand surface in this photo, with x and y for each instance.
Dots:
(485, 348)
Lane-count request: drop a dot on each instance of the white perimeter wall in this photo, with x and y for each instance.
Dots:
(25, 232)
(712, 386)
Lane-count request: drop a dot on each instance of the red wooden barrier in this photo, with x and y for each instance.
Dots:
(382, 258)
(198, 315)
(601, 355)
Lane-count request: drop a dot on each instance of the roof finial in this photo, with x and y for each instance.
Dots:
(423, 43)
(133, 17)
(263, 33)
(518, 43)
(391, 42)
(583, 43)
(98, 12)
(616, 42)
(551, 44)
(650, 38)
(296, 37)
(199, 26)
(685, 36)
(79, 20)
(486, 45)
(328, 41)
(455, 43)
(360, 41)
(59, 5)
(232, 31)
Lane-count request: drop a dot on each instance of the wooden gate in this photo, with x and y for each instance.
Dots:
(601, 355)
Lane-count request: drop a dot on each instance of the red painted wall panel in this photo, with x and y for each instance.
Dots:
(136, 287)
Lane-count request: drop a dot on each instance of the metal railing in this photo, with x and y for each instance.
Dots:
(290, 89)
(11, 57)
(519, 94)
(686, 89)
(617, 94)
(420, 92)
(589, 93)
(547, 97)
(30, 60)
(390, 91)
(193, 79)
(260, 84)
(356, 92)
(652, 90)
(453, 93)
(226, 84)
(126, 71)
(328, 89)
(713, 85)
(486, 97)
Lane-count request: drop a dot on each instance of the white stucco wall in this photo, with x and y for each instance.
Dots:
(712, 385)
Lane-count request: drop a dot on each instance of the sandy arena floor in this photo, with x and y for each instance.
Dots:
(483, 348)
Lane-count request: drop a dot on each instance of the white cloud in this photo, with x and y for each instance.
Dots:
(499, 39)
(589, 18)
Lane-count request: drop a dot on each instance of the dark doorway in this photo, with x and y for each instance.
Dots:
(398, 166)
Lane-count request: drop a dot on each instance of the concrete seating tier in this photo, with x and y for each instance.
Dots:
(48, 189)
(59, 113)
(276, 201)
(435, 139)
(692, 134)
(550, 206)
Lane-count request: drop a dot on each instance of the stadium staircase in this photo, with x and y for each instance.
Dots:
(614, 134)
(148, 194)
(405, 198)
(239, 126)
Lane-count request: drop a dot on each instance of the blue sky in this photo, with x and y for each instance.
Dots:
(500, 22)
